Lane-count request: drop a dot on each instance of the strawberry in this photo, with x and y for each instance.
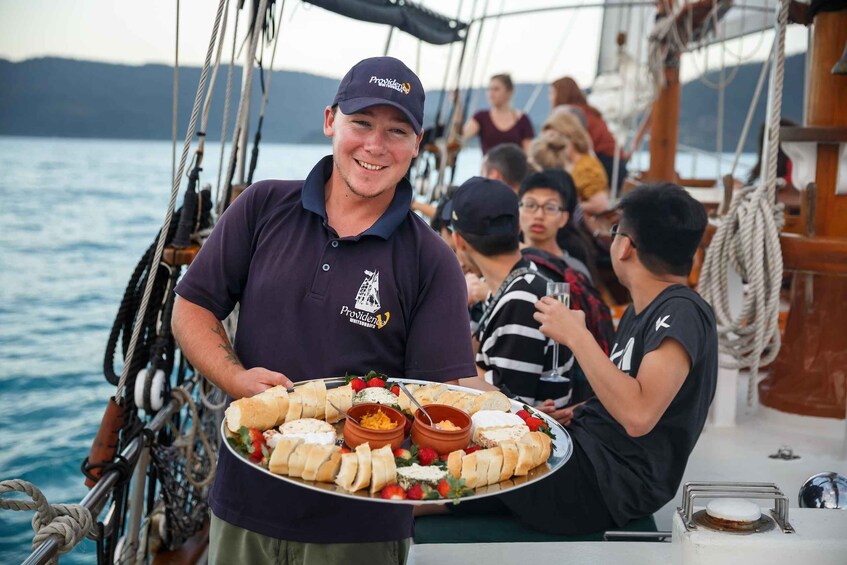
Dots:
(415, 492)
(407, 427)
(427, 456)
(403, 453)
(523, 414)
(345, 450)
(393, 492)
(471, 449)
(534, 423)
(257, 443)
(376, 382)
(396, 390)
(358, 384)
(443, 488)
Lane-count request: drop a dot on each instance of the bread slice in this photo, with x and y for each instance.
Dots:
(252, 412)
(492, 437)
(465, 402)
(279, 396)
(309, 395)
(337, 397)
(329, 469)
(495, 466)
(363, 473)
(530, 453)
(449, 397)
(454, 463)
(404, 402)
(546, 446)
(483, 461)
(320, 399)
(510, 459)
(278, 463)
(491, 400)
(468, 473)
(295, 407)
(347, 473)
(384, 469)
(297, 461)
(428, 394)
(318, 455)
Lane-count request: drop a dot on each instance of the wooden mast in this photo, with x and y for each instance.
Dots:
(809, 376)
(664, 126)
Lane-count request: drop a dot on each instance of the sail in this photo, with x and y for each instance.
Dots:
(410, 17)
(367, 298)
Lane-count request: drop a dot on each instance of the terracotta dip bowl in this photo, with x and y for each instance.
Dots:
(355, 435)
(442, 441)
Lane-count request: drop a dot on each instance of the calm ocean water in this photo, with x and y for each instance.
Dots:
(75, 216)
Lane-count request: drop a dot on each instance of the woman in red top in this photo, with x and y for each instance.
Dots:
(502, 123)
(566, 91)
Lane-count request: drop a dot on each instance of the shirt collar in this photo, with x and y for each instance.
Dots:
(314, 191)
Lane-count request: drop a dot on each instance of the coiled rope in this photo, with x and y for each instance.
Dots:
(70, 522)
(188, 441)
(748, 240)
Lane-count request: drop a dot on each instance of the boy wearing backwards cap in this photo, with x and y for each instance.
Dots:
(295, 255)
(512, 350)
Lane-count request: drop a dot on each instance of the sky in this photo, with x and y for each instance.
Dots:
(533, 48)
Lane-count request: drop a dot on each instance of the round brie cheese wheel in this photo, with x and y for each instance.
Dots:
(311, 430)
(734, 510)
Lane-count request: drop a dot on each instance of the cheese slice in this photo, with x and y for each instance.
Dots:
(278, 463)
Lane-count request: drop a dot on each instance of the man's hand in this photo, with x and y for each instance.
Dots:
(249, 382)
(477, 291)
(564, 415)
(558, 321)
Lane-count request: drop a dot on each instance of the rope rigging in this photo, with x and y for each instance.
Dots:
(748, 241)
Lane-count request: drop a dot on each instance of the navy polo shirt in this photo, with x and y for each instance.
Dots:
(392, 299)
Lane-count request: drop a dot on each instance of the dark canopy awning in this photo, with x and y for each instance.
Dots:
(410, 17)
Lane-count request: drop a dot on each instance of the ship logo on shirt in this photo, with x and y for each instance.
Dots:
(660, 323)
(367, 304)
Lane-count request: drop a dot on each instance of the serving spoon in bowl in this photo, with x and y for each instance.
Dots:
(418, 404)
(343, 413)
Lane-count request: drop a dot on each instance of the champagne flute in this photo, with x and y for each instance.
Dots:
(561, 291)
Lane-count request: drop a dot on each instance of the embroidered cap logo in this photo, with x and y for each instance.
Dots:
(404, 87)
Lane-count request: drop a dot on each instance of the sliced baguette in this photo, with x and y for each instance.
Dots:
(454, 463)
(495, 466)
(297, 461)
(252, 412)
(468, 473)
(449, 397)
(328, 471)
(341, 397)
(465, 402)
(295, 407)
(309, 395)
(483, 461)
(491, 400)
(510, 459)
(279, 396)
(529, 454)
(492, 437)
(319, 455)
(403, 400)
(428, 394)
(347, 473)
(363, 473)
(384, 469)
(278, 463)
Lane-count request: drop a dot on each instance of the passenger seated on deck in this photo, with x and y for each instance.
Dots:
(512, 352)
(631, 442)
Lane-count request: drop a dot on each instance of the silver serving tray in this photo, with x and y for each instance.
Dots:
(562, 450)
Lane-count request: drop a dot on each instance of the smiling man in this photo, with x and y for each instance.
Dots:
(333, 275)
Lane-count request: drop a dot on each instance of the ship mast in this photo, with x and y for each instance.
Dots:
(664, 126)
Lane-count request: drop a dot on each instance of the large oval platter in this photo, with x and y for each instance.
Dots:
(562, 450)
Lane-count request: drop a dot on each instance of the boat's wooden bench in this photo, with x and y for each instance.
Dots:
(447, 528)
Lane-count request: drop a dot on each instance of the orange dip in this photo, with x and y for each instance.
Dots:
(447, 425)
(377, 421)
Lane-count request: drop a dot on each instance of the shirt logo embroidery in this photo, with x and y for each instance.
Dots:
(660, 323)
(367, 303)
(625, 355)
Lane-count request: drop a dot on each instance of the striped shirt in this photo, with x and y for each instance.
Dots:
(512, 350)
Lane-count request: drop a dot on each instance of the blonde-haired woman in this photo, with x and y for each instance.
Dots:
(564, 143)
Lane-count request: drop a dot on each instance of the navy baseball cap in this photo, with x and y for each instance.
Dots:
(484, 207)
(382, 80)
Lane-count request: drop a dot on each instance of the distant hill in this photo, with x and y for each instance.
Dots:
(70, 98)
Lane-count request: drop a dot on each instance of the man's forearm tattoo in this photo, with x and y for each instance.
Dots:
(226, 345)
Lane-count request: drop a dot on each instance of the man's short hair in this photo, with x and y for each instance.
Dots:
(510, 160)
(556, 180)
(666, 224)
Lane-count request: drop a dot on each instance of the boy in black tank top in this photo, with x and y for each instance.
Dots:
(632, 441)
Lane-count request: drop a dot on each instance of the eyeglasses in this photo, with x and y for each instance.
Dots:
(615, 231)
(549, 209)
